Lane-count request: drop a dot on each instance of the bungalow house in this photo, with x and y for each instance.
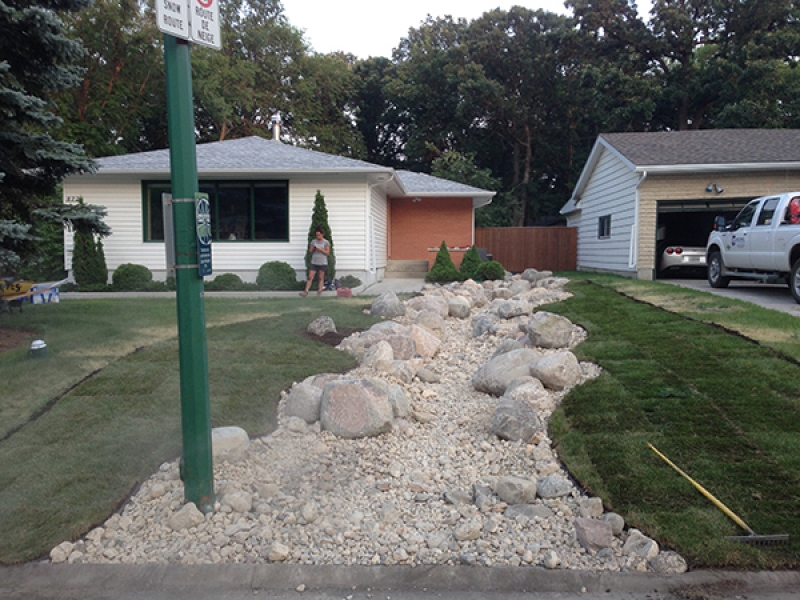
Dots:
(640, 190)
(262, 195)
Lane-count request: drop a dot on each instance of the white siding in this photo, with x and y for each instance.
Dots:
(611, 190)
(379, 212)
(345, 199)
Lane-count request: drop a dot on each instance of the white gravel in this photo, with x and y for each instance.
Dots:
(308, 497)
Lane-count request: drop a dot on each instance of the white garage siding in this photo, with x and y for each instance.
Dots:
(379, 218)
(344, 200)
(611, 191)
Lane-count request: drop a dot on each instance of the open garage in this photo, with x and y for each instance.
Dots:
(639, 192)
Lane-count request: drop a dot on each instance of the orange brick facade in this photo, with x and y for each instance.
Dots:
(416, 226)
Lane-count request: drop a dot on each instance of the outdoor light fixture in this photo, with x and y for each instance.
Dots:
(713, 187)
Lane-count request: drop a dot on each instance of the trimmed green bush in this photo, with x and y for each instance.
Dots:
(443, 269)
(277, 275)
(349, 281)
(224, 282)
(490, 271)
(131, 278)
(470, 262)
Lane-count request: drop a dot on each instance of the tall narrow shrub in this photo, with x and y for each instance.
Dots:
(88, 260)
(319, 216)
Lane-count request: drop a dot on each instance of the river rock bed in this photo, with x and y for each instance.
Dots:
(422, 494)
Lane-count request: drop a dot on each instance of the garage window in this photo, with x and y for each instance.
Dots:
(604, 227)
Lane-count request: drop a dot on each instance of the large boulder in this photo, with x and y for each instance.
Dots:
(592, 534)
(515, 490)
(322, 325)
(429, 302)
(458, 307)
(548, 330)
(513, 308)
(303, 401)
(229, 443)
(557, 371)
(427, 344)
(378, 356)
(387, 306)
(403, 346)
(355, 408)
(495, 375)
(515, 420)
(430, 320)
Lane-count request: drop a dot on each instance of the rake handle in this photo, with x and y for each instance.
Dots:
(705, 492)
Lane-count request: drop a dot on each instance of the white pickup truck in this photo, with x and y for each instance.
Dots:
(761, 243)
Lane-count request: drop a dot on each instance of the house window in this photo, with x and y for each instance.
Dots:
(604, 227)
(240, 211)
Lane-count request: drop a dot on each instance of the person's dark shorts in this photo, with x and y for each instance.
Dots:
(318, 268)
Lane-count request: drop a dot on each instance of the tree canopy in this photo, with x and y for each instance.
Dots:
(515, 98)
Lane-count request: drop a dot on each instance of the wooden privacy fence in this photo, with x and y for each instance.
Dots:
(520, 248)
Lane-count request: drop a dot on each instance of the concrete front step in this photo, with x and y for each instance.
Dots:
(406, 269)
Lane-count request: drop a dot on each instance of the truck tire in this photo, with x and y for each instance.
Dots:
(794, 281)
(715, 266)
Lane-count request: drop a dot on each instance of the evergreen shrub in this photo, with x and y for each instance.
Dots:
(319, 216)
(224, 282)
(88, 260)
(349, 281)
(470, 263)
(131, 278)
(443, 269)
(490, 270)
(277, 275)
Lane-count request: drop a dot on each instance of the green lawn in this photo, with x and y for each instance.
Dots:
(82, 427)
(724, 408)
(113, 366)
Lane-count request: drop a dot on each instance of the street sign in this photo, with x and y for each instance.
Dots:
(203, 220)
(172, 17)
(205, 23)
(194, 20)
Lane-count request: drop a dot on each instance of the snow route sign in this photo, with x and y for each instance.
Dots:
(205, 23)
(193, 20)
(172, 17)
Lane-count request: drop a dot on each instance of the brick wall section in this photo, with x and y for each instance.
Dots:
(417, 226)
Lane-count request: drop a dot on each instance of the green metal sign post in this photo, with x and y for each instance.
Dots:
(196, 466)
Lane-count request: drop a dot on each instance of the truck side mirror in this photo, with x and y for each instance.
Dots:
(719, 223)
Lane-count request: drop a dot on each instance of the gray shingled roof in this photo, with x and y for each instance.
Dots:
(245, 154)
(258, 155)
(419, 183)
(708, 147)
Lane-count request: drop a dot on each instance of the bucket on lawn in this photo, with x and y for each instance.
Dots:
(38, 349)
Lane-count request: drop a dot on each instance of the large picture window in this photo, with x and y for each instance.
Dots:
(240, 211)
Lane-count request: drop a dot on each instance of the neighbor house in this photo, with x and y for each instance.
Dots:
(262, 195)
(639, 189)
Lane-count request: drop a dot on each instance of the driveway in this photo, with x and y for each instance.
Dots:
(774, 296)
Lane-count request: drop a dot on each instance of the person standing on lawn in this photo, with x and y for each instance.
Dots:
(319, 249)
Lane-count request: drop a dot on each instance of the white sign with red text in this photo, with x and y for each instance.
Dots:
(205, 23)
(194, 20)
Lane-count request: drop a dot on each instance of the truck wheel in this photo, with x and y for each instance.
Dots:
(715, 266)
(794, 281)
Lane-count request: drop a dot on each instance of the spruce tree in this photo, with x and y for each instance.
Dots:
(319, 216)
(36, 61)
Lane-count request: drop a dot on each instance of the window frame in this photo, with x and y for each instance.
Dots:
(212, 186)
(604, 227)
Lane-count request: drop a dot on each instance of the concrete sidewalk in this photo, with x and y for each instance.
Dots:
(42, 581)
(398, 286)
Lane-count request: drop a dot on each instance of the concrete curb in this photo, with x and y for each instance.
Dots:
(209, 581)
